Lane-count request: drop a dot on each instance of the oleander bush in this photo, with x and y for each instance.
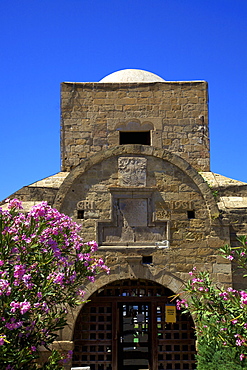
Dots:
(220, 315)
(43, 266)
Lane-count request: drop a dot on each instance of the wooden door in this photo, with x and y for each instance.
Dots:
(124, 327)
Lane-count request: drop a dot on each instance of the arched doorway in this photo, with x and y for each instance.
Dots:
(123, 327)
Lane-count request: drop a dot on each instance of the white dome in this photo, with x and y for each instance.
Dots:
(132, 75)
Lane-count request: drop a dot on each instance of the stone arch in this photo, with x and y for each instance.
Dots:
(137, 149)
(135, 125)
(167, 279)
(110, 318)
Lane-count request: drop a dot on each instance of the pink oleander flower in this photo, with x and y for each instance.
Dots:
(107, 270)
(243, 295)
(2, 339)
(5, 287)
(24, 307)
(197, 280)
(13, 324)
(15, 305)
(14, 203)
(231, 290)
(39, 295)
(224, 295)
(181, 303)
(242, 356)
(93, 245)
(81, 293)
(230, 258)
(239, 342)
(19, 271)
(80, 256)
(234, 321)
(45, 307)
(57, 278)
(26, 278)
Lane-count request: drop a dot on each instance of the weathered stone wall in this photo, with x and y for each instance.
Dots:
(92, 114)
(192, 241)
(35, 194)
(174, 194)
(42, 190)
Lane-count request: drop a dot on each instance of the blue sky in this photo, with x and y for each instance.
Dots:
(46, 42)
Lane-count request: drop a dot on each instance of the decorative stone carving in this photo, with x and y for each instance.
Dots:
(132, 171)
(162, 214)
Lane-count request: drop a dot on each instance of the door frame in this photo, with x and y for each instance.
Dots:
(167, 340)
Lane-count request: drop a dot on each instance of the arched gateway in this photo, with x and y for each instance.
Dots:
(124, 327)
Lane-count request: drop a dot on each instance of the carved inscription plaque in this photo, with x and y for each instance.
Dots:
(132, 171)
(162, 214)
(85, 205)
(164, 209)
(176, 205)
(134, 211)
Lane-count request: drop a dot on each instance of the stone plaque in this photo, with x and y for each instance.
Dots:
(132, 171)
(162, 214)
(134, 211)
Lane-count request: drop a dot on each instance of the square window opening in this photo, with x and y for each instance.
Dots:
(191, 215)
(147, 260)
(133, 137)
(80, 214)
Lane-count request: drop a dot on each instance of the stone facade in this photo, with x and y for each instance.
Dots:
(135, 174)
(175, 113)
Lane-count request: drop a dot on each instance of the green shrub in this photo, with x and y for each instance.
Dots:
(211, 357)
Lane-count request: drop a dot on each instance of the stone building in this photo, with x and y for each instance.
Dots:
(136, 174)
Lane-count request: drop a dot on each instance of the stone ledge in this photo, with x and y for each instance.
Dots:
(232, 202)
(54, 181)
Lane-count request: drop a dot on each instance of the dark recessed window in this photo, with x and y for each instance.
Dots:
(132, 137)
(147, 260)
(80, 214)
(191, 214)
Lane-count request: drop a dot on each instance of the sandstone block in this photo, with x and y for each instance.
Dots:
(222, 268)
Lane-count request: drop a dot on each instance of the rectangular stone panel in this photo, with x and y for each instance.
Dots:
(132, 171)
(134, 211)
